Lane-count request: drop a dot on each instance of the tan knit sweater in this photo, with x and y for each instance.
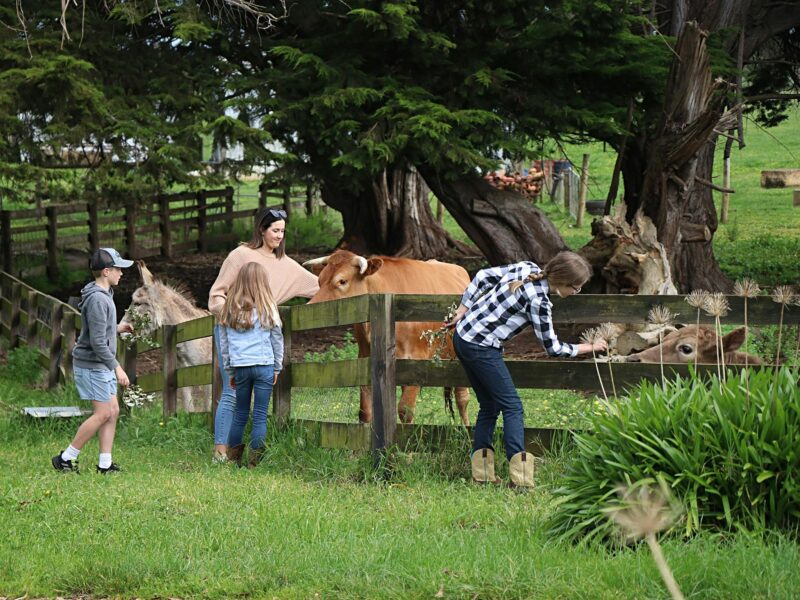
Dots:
(287, 279)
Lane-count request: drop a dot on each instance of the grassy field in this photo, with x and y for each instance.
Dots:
(313, 523)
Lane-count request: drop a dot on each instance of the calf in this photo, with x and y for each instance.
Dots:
(697, 345)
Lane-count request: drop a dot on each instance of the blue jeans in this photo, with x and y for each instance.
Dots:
(489, 377)
(227, 400)
(253, 381)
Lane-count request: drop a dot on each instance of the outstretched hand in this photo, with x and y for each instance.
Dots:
(460, 312)
(124, 328)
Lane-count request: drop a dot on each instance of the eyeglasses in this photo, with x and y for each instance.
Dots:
(278, 214)
(577, 288)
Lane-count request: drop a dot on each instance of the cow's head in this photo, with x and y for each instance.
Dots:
(342, 275)
(696, 345)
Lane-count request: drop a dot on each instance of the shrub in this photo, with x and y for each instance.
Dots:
(730, 457)
(23, 365)
(349, 349)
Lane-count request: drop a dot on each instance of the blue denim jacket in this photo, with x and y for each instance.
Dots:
(251, 347)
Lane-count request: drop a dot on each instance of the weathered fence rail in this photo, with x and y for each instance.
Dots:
(382, 370)
(36, 239)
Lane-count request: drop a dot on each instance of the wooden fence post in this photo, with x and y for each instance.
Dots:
(32, 308)
(287, 201)
(282, 408)
(68, 329)
(169, 350)
(216, 378)
(51, 243)
(309, 200)
(228, 209)
(130, 230)
(567, 183)
(56, 345)
(796, 198)
(583, 190)
(383, 375)
(129, 360)
(202, 222)
(5, 236)
(166, 226)
(263, 188)
(94, 237)
(13, 321)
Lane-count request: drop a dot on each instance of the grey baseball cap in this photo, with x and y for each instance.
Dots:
(104, 258)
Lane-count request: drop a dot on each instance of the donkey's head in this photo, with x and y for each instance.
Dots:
(163, 303)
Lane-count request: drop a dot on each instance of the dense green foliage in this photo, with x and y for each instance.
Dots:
(727, 450)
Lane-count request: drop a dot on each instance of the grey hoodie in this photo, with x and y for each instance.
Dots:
(97, 344)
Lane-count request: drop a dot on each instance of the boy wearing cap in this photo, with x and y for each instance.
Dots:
(96, 369)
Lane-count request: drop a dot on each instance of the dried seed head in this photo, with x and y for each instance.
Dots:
(590, 336)
(697, 299)
(783, 294)
(746, 288)
(661, 315)
(643, 511)
(607, 331)
(716, 305)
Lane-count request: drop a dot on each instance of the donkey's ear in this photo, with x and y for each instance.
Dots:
(144, 272)
(733, 340)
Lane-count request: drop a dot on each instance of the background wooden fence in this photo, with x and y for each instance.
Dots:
(19, 323)
(38, 239)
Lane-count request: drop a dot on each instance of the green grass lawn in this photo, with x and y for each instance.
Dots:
(313, 523)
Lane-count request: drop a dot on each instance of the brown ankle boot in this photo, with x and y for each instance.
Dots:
(520, 469)
(256, 454)
(235, 454)
(483, 466)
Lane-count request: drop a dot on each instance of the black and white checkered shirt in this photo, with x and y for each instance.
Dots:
(495, 314)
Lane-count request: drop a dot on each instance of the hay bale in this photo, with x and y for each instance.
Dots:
(780, 178)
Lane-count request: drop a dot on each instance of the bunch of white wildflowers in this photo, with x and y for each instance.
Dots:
(437, 338)
(140, 321)
(134, 397)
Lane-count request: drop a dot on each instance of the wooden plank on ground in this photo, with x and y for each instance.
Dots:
(780, 178)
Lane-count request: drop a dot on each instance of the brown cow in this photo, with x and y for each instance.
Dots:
(690, 345)
(344, 274)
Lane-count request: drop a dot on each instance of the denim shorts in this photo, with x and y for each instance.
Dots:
(95, 384)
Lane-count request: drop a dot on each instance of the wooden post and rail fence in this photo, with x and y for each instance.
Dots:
(35, 239)
(21, 322)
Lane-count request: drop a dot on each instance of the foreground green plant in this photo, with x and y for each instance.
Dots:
(731, 463)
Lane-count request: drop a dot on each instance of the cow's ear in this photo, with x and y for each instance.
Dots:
(373, 265)
(733, 340)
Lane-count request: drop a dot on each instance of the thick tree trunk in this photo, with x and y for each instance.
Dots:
(392, 216)
(503, 224)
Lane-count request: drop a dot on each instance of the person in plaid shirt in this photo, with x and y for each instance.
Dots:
(499, 303)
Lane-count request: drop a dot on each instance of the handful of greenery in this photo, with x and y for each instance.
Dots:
(134, 397)
(141, 323)
(437, 338)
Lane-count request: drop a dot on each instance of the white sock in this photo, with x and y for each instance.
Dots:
(105, 461)
(71, 453)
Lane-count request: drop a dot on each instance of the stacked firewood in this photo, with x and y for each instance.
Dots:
(529, 185)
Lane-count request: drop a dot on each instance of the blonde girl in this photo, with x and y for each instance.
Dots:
(251, 344)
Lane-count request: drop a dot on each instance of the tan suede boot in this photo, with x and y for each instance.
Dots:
(256, 454)
(235, 454)
(483, 466)
(520, 469)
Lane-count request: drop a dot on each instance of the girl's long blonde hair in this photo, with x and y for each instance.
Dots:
(564, 269)
(250, 293)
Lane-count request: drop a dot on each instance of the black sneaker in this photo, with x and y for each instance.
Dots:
(114, 468)
(59, 464)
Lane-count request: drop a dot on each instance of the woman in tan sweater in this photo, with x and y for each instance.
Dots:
(287, 279)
